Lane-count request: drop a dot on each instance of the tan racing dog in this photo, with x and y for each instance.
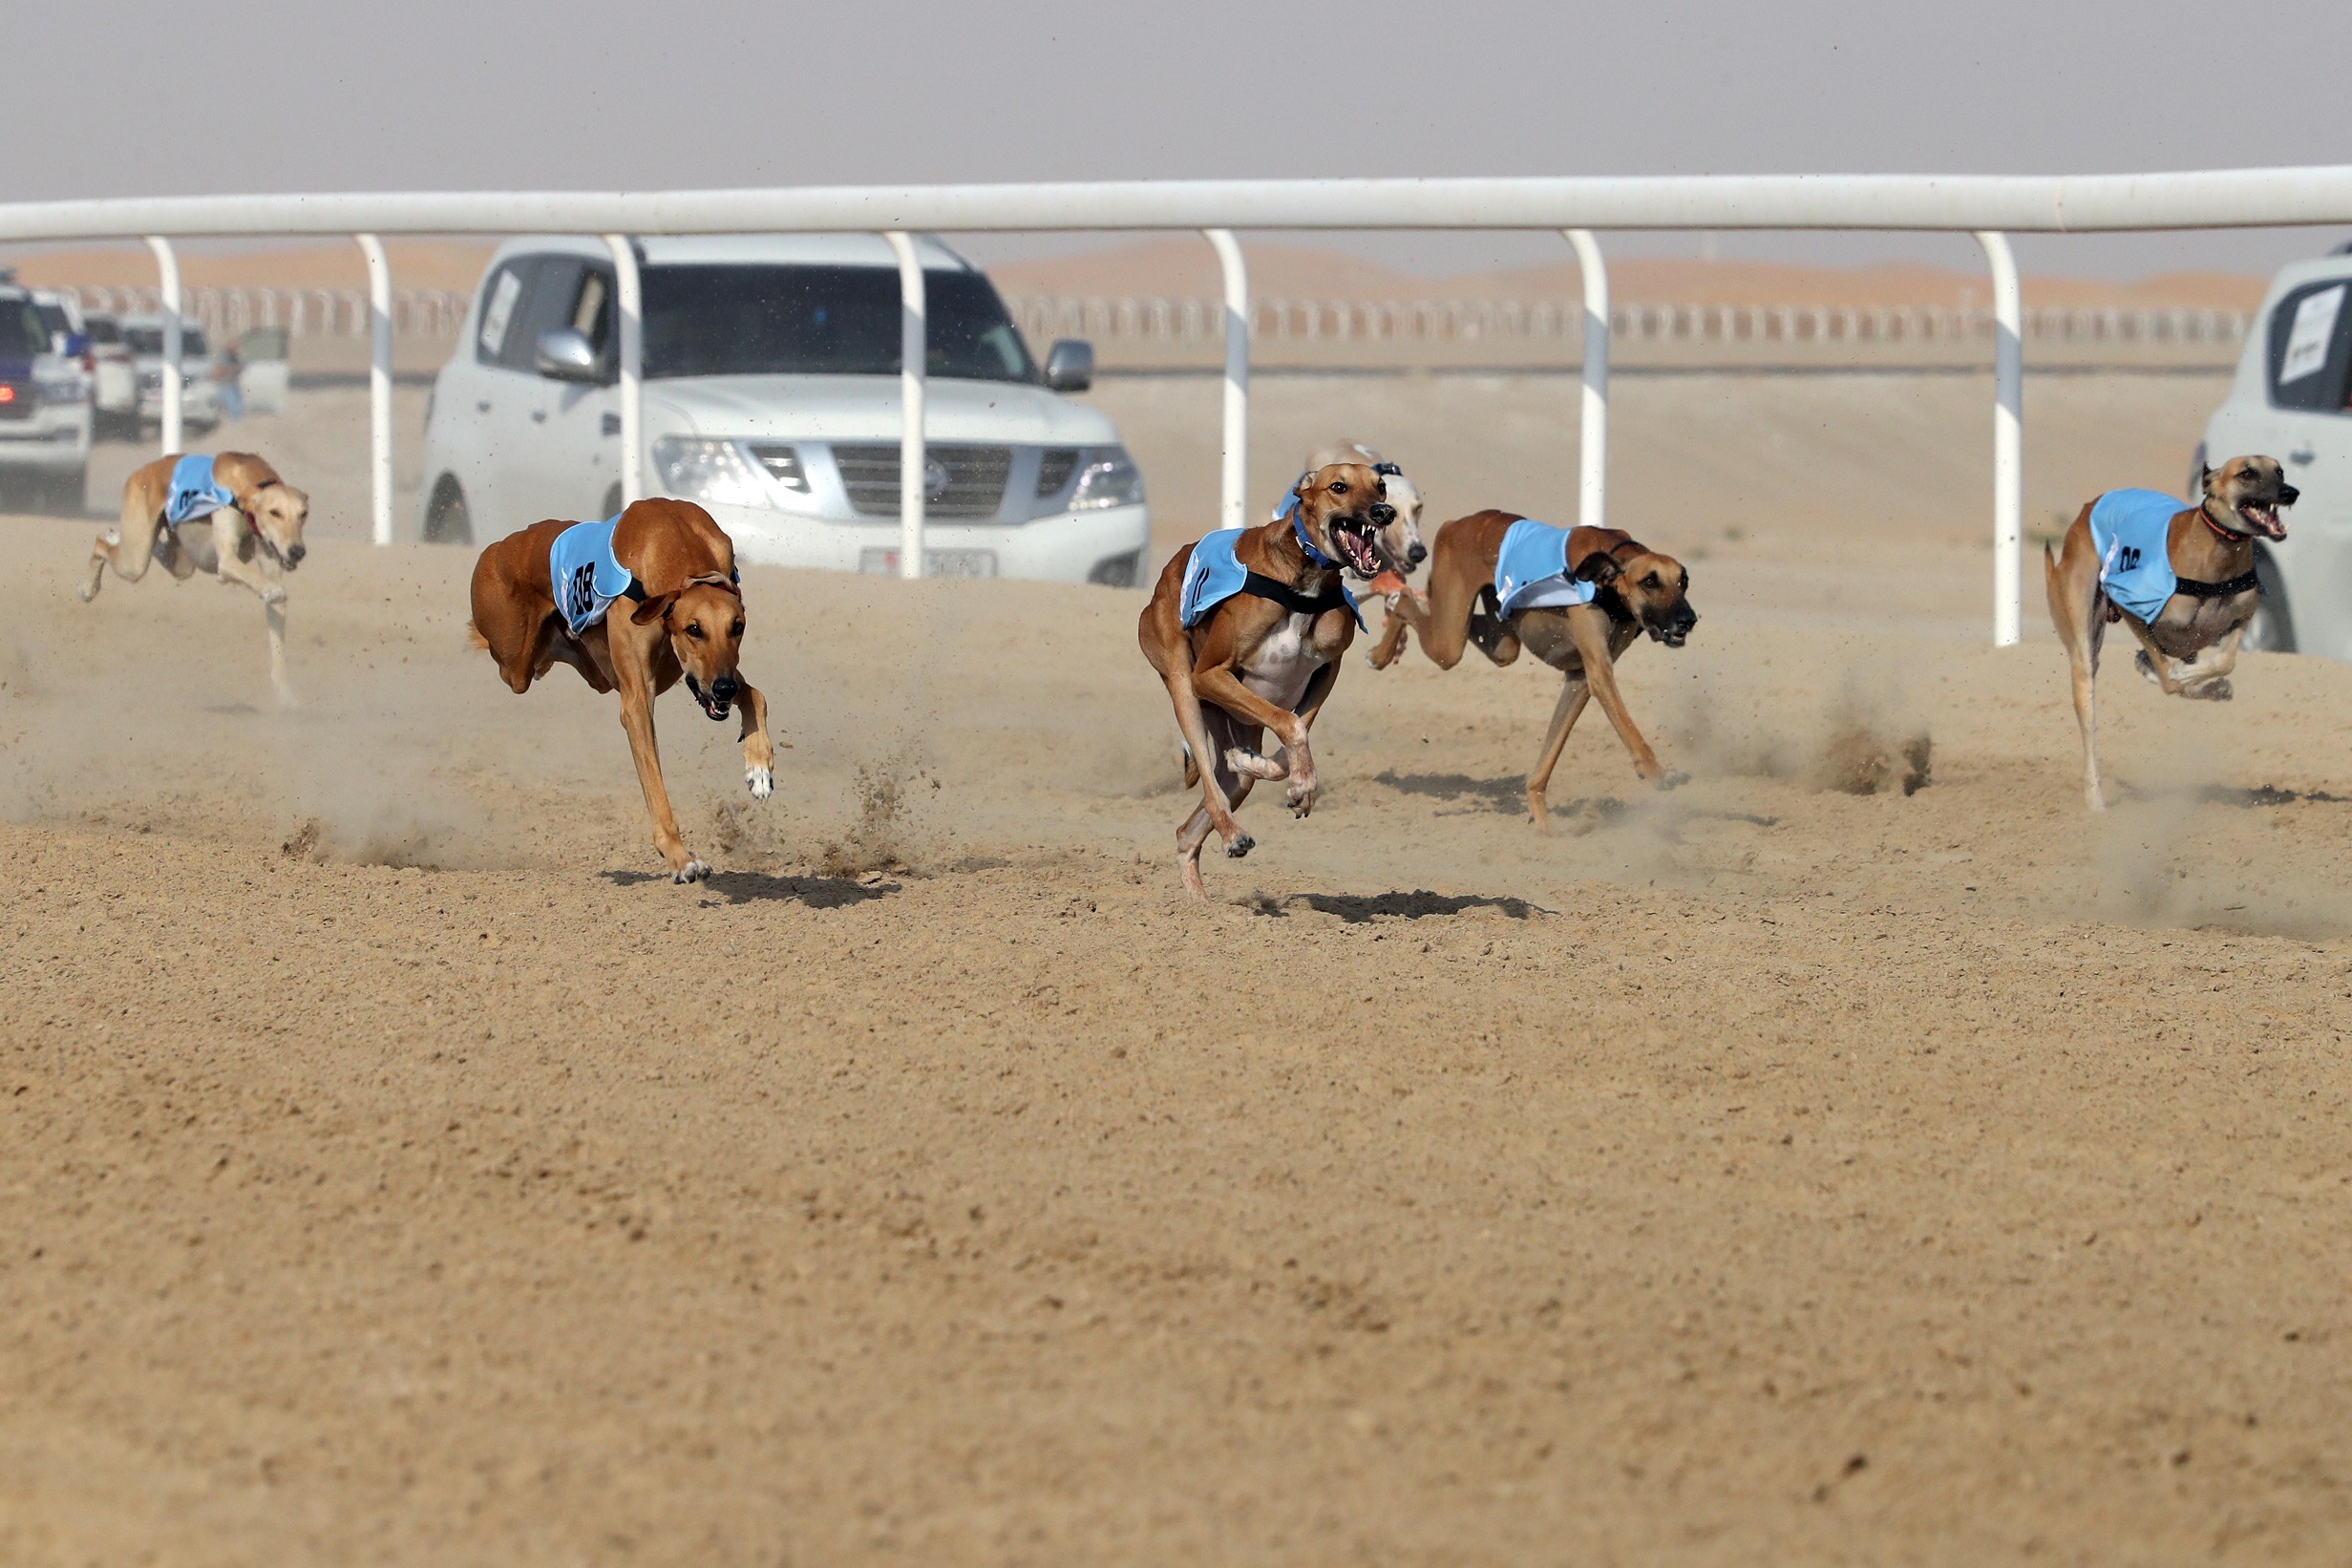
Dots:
(654, 599)
(2180, 577)
(1633, 589)
(1269, 624)
(245, 530)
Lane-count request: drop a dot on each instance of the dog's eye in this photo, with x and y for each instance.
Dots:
(1650, 580)
(694, 630)
(1339, 487)
(736, 630)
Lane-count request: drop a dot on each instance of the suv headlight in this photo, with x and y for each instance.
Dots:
(1107, 476)
(64, 391)
(713, 473)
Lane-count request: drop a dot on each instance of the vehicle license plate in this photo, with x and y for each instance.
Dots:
(934, 562)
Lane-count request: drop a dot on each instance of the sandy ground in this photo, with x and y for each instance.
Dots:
(400, 1170)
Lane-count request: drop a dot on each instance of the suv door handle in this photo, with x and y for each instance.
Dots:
(2303, 456)
(612, 424)
(539, 416)
(481, 406)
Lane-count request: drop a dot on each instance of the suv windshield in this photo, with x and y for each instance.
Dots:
(788, 320)
(23, 333)
(149, 340)
(102, 329)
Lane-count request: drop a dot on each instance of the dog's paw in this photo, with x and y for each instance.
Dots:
(2147, 668)
(1673, 778)
(1250, 764)
(86, 593)
(2216, 690)
(1240, 847)
(760, 781)
(694, 871)
(1301, 797)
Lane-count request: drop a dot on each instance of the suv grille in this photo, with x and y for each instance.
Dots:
(1054, 467)
(783, 464)
(976, 478)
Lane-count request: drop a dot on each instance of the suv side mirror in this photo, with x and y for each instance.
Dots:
(1070, 365)
(565, 354)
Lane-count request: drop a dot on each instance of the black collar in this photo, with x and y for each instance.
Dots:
(1258, 585)
(2227, 588)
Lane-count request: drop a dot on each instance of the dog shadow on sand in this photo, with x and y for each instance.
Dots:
(738, 887)
(1357, 908)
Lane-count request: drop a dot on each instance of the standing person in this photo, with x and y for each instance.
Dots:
(226, 367)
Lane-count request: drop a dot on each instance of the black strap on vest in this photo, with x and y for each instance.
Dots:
(2229, 589)
(1261, 586)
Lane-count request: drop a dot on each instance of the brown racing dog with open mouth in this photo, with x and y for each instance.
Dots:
(541, 598)
(1246, 627)
(2180, 577)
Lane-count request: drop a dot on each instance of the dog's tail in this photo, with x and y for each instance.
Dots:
(474, 636)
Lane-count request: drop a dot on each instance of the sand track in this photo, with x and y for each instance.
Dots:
(401, 1170)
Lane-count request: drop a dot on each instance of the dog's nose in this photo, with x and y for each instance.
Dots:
(725, 688)
(2287, 495)
(1418, 554)
(293, 557)
(1383, 514)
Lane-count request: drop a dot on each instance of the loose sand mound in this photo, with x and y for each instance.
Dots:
(1855, 1153)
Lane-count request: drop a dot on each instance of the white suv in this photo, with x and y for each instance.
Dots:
(772, 399)
(2292, 398)
(44, 407)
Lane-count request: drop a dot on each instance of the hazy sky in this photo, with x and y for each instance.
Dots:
(311, 94)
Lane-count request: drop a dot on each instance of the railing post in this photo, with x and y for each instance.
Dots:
(1593, 441)
(1233, 506)
(913, 347)
(168, 265)
(379, 384)
(2008, 444)
(629, 319)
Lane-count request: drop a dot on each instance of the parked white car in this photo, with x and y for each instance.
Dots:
(43, 408)
(200, 396)
(113, 379)
(772, 399)
(2292, 398)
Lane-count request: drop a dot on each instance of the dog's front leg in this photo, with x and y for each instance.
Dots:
(632, 655)
(1573, 692)
(758, 749)
(1590, 627)
(229, 544)
(1221, 686)
(1215, 810)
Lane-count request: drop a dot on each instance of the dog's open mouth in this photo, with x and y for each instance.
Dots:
(1358, 546)
(2262, 518)
(710, 705)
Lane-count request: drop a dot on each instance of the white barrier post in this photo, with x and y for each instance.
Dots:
(914, 344)
(1233, 506)
(628, 313)
(379, 384)
(1593, 443)
(168, 265)
(2008, 443)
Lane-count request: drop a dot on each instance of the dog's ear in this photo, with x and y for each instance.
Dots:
(653, 608)
(1598, 567)
(1305, 484)
(2205, 478)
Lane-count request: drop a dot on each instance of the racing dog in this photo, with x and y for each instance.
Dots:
(228, 515)
(1246, 627)
(2180, 577)
(545, 596)
(1576, 598)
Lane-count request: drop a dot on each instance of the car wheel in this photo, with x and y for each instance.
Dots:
(447, 520)
(2271, 630)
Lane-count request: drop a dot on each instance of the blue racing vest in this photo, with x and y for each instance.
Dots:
(194, 494)
(586, 576)
(1216, 574)
(1532, 564)
(2132, 531)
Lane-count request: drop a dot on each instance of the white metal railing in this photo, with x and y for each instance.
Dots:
(1161, 319)
(1986, 207)
(299, 312)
